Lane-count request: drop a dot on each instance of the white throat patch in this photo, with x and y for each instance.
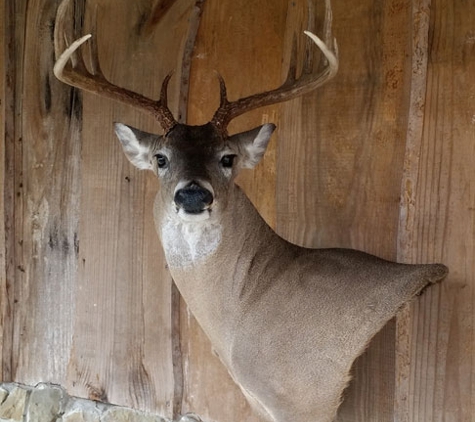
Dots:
(186, 243)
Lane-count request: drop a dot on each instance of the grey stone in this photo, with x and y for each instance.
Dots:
(51, 403)
(46, 403)
(13, 407)
(190, 417)
(120, 414)
(3, 394)
(79, 410)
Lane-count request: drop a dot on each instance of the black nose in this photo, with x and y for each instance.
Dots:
(193, 198)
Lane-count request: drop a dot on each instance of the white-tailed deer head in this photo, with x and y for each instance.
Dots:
(287, 322)
(195, 163)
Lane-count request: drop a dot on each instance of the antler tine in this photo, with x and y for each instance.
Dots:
(220, 117)
(79, 77)
(291, 88)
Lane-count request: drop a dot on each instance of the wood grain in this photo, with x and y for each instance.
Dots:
(13, 43)
(158, 11)
(419, 60)
(436, 335)
(4, 306)
(35, 228)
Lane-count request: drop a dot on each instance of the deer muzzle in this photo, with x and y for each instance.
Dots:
(193, 199)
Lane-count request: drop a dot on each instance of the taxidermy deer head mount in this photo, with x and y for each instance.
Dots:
(287, 321)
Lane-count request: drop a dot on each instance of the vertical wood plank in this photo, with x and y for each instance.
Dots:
(418, 80)
(437, 333)
(14, 43)
(122, 350)
(340, 160)
(3, 107)
(42, 230)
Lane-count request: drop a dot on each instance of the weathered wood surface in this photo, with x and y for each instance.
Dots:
(89, 295)
(436, 344)
(381, 159)
(3, 108)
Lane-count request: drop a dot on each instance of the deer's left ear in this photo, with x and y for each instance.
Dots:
(136, 145)
(253, 143)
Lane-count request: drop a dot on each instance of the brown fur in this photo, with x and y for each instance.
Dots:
(288, 322)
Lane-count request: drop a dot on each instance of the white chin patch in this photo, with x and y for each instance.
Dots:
(194, 218)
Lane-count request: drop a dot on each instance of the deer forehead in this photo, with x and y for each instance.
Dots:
(194, 152)
(188, 140)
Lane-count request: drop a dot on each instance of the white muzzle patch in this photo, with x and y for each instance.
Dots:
(193, 218)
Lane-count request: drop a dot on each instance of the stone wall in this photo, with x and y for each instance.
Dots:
(51, 403)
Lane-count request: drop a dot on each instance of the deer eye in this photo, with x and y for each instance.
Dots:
(162, 161)
(228, 160)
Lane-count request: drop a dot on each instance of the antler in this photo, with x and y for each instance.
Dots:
(291, 88)
(77, 75)
(74, 72)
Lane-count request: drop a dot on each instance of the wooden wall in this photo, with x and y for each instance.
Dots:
(381, 159)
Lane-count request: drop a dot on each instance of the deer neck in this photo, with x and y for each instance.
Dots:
(191, 246)
(211, 262)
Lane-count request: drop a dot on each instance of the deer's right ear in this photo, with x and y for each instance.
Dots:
(136, 145)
